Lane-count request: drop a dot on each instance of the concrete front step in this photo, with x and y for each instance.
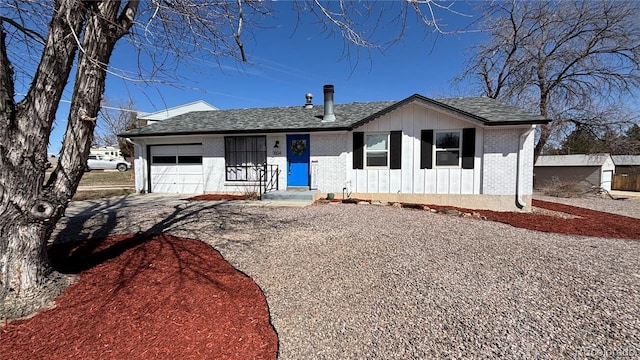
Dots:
(281, 195)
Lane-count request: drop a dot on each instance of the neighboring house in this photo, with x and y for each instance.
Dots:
(110, 152)
(591, 169)
(466, 152)
(627, 164)
(150, 118)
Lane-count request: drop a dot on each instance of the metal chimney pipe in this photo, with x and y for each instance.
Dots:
(328, 104)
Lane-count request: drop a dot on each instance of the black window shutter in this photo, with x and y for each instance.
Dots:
(358, 150)
(395, 150)
(426, 149)
(468, 147)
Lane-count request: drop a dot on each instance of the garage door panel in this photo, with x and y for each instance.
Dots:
(190, 188)
(189, 178)
(163, 170)
(164, 150)
(163, 187)
(190, 149)
(190, 169)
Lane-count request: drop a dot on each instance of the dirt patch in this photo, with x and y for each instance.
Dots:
(103, 178)
(147, 297)
(81, 195)
(543, 211)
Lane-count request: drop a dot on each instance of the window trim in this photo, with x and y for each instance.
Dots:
(436, 149)
(247, 179)
(387, 151)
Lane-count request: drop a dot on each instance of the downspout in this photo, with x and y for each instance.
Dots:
(519, 201)
(136, 183)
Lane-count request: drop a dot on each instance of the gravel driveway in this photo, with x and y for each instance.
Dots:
(368, 282)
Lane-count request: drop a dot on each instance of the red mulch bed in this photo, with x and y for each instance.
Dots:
(147, 297)
(587, 222)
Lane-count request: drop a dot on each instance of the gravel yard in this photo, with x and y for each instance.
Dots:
(363, 281)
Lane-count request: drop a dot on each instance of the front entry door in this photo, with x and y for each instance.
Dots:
(298, 160)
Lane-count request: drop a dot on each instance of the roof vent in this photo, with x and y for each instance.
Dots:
(308, 104)
(329, 116)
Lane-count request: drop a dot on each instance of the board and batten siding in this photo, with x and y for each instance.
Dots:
(410, 178)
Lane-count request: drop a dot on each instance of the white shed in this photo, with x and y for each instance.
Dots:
(592, 169)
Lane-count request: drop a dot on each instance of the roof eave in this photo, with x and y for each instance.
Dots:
(242, 131)
(521, 122)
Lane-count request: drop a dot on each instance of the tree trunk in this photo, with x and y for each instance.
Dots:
(29, 211)
(28, 214)
(546, 129)
(25, 262)
(545, 132)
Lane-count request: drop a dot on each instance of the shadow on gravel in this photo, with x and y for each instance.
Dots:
(219, 221)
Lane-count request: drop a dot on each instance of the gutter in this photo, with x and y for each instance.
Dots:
(239, 131)
(519, 201)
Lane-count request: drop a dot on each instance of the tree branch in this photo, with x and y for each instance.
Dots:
(236, 36)
(28, 32)
(7, 90)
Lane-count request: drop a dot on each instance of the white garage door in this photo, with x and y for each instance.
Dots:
(176, 169)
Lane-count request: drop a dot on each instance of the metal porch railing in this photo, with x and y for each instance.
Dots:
(268, 175)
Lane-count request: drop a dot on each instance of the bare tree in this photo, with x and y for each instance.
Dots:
(42, 43)
(559, 58)
(115, 119)
(633, 138)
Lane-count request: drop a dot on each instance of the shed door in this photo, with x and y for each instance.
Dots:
(176, 169)
(607, 178)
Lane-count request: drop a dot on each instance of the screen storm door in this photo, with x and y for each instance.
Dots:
(298, 160)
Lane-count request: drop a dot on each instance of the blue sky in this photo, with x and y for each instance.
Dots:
(285, 62)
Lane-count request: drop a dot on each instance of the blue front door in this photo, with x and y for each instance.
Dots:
(298, 160)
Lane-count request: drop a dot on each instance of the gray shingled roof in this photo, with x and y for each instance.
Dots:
(626, 160)
(572, 160)
(493, 111)
(485, 111)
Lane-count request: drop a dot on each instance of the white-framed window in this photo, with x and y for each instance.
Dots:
(376, 149)
(447, 148)
(244, 156)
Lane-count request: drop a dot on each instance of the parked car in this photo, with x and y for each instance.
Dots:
(100, 162)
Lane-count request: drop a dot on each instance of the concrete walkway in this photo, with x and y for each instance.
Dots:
(107, 205)
(625, 194)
